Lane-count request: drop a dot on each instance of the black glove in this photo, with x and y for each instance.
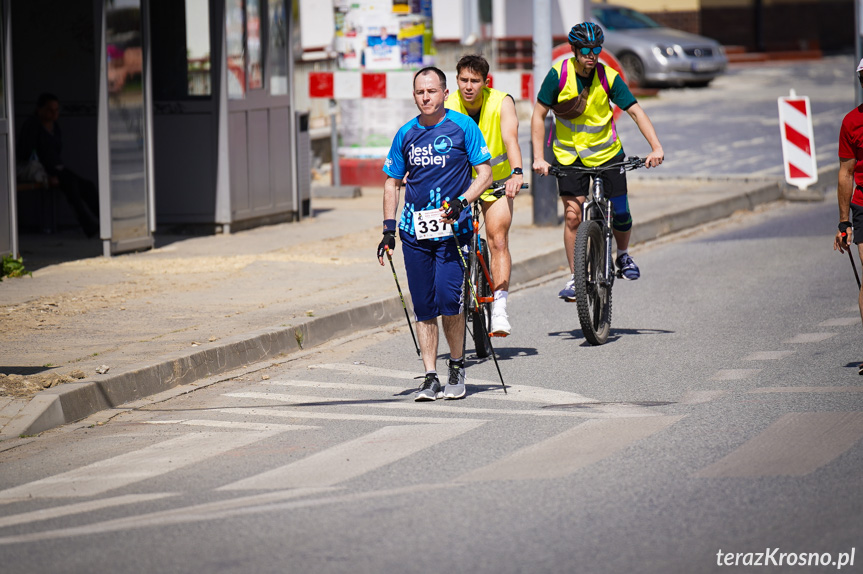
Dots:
(388, 242)
(455, 208)
(843, 227)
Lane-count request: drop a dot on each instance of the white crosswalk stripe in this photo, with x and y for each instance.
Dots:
(78, 508)
(355, 457)
(210, 511)
(135, 466)
(515, 390)
(234, 425)
(571, 450)
(809, 338)
(606, 411)
(795, 445)
(292, 413)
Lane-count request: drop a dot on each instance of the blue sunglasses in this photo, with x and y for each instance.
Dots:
(585, 51)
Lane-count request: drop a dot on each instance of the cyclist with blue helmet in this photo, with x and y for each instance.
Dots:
(580, 91)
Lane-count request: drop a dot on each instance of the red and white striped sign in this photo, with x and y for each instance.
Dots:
(798, 141)
(349, 85)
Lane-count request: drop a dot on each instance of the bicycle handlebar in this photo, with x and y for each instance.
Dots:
(499, 189)
(628, 164)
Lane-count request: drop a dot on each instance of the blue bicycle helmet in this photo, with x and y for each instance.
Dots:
(586, 34)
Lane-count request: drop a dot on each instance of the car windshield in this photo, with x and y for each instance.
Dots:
(613, 18)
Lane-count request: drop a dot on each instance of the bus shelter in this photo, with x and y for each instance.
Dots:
(179, 111)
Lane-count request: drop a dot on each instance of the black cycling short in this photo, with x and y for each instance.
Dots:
(577, 184)
(857, 223)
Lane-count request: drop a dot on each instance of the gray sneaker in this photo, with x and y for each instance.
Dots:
(455, 388)
(430, 389)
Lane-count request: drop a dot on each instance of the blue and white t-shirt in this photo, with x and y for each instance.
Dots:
(438, 161)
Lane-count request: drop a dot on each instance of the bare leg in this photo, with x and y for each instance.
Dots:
(622, 238)
(453, 329)
(572, 218)
(498, 219)
(427, 333)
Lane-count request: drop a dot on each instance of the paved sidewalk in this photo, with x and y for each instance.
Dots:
(201, 306)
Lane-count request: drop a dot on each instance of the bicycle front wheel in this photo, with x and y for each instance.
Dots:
(479, 315)
(592, 291)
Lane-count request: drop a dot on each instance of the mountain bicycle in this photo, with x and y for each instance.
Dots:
(477, 274)
(593, 262)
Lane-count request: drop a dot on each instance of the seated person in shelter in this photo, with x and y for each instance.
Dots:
(41, 139)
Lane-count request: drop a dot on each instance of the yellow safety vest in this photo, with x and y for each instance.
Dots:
(592, 135)
(489, 125)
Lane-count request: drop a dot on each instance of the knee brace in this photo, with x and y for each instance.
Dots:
(621, 219)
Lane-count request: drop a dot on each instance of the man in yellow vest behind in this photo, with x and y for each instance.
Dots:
(494, 112)
(580, 91)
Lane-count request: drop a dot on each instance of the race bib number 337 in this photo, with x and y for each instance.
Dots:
(428, 225)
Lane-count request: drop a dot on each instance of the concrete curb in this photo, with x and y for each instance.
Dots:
(339, 192)
(74, 401)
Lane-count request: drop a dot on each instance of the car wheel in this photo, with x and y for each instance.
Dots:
(633, 68)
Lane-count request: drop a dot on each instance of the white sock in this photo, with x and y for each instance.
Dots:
(622, 252)
(500, 301)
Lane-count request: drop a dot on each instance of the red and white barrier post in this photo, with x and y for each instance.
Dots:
(798, 141)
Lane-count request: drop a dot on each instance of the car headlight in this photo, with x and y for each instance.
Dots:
(664, 51)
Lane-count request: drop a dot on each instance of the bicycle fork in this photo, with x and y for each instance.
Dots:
(607, 278)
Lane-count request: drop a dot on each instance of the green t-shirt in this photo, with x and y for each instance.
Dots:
(619, 91)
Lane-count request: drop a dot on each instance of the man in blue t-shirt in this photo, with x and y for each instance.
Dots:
(434, 153)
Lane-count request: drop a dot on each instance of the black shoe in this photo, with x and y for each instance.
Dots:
(430, 389)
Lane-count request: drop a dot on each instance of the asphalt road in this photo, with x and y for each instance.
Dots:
(724, 415)
(732, 127)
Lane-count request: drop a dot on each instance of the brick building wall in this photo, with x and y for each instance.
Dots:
(827, 25)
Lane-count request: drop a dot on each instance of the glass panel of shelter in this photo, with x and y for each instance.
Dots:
(126, 129)
(198, 47)
(277, 53)
(235, 30)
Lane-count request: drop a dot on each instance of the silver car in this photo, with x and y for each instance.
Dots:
(655, 55)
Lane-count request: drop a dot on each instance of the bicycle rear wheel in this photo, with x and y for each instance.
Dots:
(592, 292)
(480, 317)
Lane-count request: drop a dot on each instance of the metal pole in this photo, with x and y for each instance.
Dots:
(544, 189)
(334, 146)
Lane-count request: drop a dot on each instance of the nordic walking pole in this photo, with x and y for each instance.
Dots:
(854, 267)
(402, 297)
(473, 292)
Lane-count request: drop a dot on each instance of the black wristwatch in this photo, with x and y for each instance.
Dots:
(517, 171)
